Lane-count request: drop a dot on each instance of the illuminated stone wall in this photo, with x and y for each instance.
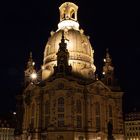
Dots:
(84, 111)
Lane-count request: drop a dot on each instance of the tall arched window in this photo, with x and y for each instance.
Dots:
(47, 112)
(97, 113)
(78, 106)
(61, 110)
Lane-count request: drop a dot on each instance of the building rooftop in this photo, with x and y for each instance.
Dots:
(132, 116)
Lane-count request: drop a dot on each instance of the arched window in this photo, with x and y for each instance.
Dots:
(61, 104)
(72, 14)
(97, 113)
(78, 106)
(47, 112)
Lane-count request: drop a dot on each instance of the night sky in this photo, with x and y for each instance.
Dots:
(25, 26)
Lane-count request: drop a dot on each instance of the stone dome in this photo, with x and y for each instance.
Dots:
(78, 45)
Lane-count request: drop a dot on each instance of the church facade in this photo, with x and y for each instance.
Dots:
(65, 100)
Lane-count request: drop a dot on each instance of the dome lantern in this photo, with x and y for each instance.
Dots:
(68, 16)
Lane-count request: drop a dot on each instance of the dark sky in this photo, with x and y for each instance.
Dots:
(25, 26)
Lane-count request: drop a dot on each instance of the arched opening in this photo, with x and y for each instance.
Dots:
(72, 14)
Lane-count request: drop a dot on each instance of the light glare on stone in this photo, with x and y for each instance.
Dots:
(33, 75)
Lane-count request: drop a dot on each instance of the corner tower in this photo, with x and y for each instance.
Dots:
(78, 45)
(30, 72)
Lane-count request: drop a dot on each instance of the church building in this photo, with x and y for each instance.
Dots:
(65, 99)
